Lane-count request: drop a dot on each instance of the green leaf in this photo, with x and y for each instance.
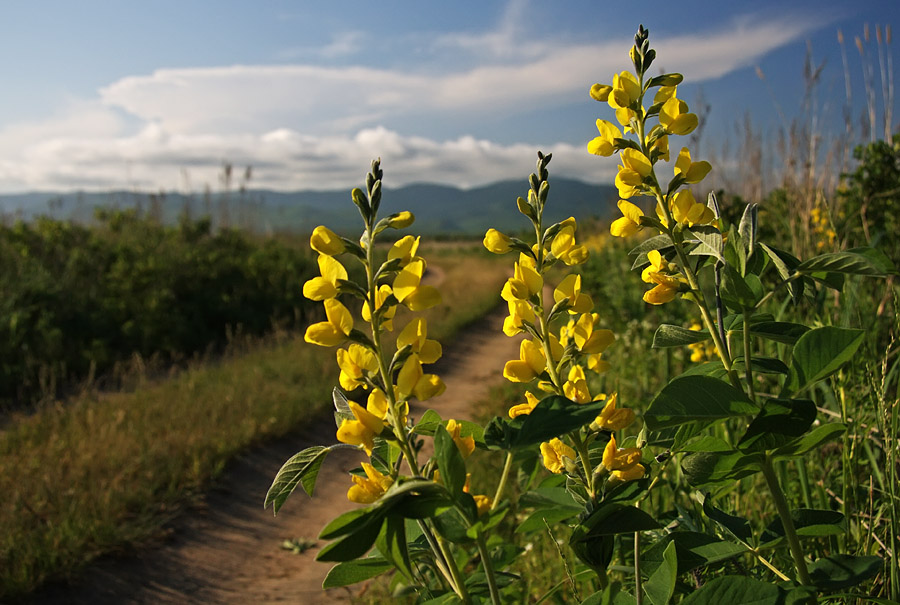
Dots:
(710, 468)
(661, 584)
(351, 521)
(858, 261)
(675, 336)
(553, 416)
(429, 421)
(710, 242)
(536, 520)
(820, 353)
(351, 572)
(450, 462)
(657, 242)
(811, 440)
(547, 497)
(693, 550)
(809, 523)
(779, 422)
(614, 519)
(301, 469)
(777, 331)
(736, 590)
(781, 259)
(737, 526)
(352, 545)
(842, 571)
(696, 398)
(762, 365)
(740, 293)
(392, 544)
(712, 369)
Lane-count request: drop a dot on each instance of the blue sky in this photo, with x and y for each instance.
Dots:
(157, 95)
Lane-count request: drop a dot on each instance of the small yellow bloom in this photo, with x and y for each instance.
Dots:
(381, 295)
(600, 92)
(605, 143)
(576, 387)
(354, 362)
(630, 223)
(564, 247)
(675, 118)
(688, 211)
(405, 249)
(403, 220)
(693, 172)
(612, 419)
(664, 94)
(361, 430)
(412, 381)
(629, 474)
(377, 404)
(368, 489)
(658, 264)
(634, 169)
(497, 242)
(625, 90)
(466, 445)
(335, 330)
(325, 286)
(662, 146)
(483, 503)
(555, 453)
(519, 311)
(570, 288)
(325, 241)
(530, 365)
(409, 291)
(616, 459)
(415, 334)
(523, 409)
(588, 339)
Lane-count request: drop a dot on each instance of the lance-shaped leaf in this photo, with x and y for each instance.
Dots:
(843, 571)
(392, 545)
(737, 526)
(820, 353)
(675, 336)
(351, 572)
(301, 469)
(693, 550)
(778, 423)
(712, 468)
(811, 440)
(553, 416)
(450, 462)
(737, 590)
(661, 584)
(710, 242)
(696, 398)
(858, 261)
(809, 523)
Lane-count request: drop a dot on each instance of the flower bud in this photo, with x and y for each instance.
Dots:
(325, 241)
(496, 242)
(402, 220)
(600, 92)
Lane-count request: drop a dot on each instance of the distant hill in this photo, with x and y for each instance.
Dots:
(438, 208)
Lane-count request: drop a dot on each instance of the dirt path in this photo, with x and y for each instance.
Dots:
(228, 550)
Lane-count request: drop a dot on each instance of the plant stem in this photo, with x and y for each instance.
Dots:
(488, 569)
(459, 584)
(585, 459)
(784, 512)
(507, 467)
(638, 588)
(748, 370)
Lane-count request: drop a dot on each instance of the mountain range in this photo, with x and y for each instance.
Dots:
(439, 209)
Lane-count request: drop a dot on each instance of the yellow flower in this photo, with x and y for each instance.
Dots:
(326, 286)
(662, 146)
(616, 459)
(354, 361)
(625, 90)
(612, 419)
(362, 430)
(674, 117)
(409, 291)
(605, 143)
(415, 334)
(600, 92)
(466, 445)
(368, 489)
(658, 264)
(523, 409)
(519, 311)
(377, 404)
(335, 330)
(664, 94)
(688, 211)
(555, 453)
(405, 249)
(483, 503)
(564, 247)
(525, 282)
(496, 242)
(589, 340)
(576, 387)
(629, 474)
(325, 241)
(570, 288)
(530, 365)
(597, 364)
(625, 116)
(403, 220)
(381, 295)
(630, 178)
(693, 172)
(630, 223)
(411, 380)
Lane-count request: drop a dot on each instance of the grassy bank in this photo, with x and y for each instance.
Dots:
(85, 478)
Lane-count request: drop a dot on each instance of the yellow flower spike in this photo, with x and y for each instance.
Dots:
(325, 286)
(674, 117)
(625, 90)
(600, 92)
(403, 220)
(554, 454)
(335, 330)
(519, 311)
(526, 273)
(616, 459)
(530, 365)
(630, 223)
(466, 445)
(325, 241)
(354, 361)
(497, 242)
(366, 490)
(612, 419)
(630, 178)
(570, 288)
(362, 430)
(693, 172)
(523, 409)
(405, 249)
(588, 340)
(381, 295)
(577, 389)
(625, 117)
(688, 211)
(605, 143)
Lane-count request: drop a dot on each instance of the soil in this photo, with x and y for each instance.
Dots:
(228, 549)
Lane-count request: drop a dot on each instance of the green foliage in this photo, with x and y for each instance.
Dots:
(77, 300)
